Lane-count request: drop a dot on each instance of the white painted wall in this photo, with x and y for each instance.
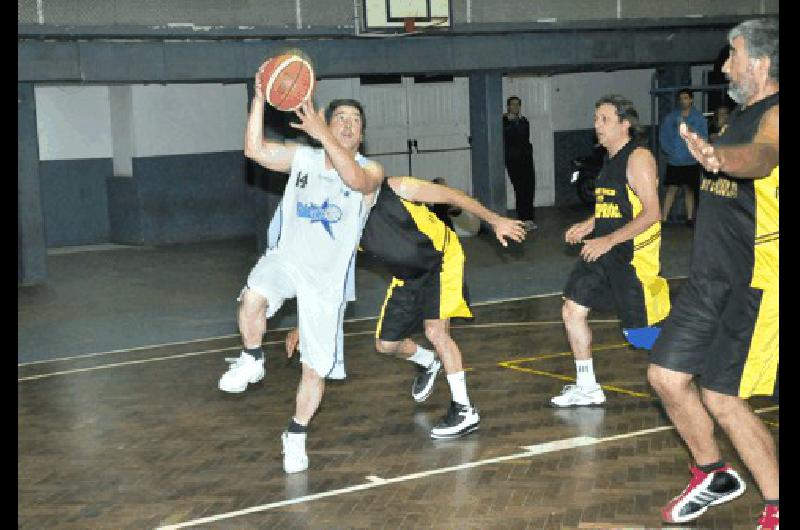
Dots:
(121, 122)
(574, 95)
(185, 119)
(73, 122)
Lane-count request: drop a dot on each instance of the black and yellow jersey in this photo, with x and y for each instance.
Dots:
(736, 232)
(616, 205)
(406, 236)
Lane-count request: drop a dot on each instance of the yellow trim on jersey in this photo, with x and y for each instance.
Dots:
(451, 280)
(427, 223)
(394, 283)
(761, 367)
(646, 263)
(765, 264)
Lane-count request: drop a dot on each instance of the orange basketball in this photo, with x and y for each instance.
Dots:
(287, 80)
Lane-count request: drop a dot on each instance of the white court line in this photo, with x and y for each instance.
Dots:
(135, 348)
(376, 482)
(126, 363)
(193, 354)
(349, 320)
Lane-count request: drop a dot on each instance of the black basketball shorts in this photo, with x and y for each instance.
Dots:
(439, 294)
(726, 335)
(609, 284)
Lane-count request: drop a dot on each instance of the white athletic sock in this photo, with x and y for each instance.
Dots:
(585, 371)
(458, 387)
(422, 357)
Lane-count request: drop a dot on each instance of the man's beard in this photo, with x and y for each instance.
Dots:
(742, 91)
(738, 93)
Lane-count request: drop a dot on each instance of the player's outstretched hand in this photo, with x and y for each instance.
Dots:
(312, 122)
(701, 150)
(292, 339)
(509, 228)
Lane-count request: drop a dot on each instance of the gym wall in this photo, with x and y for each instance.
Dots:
(165, 166)
(340, 13)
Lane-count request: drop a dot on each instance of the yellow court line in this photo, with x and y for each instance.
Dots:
(512, 365)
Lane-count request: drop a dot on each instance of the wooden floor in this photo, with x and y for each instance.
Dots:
(143, 439)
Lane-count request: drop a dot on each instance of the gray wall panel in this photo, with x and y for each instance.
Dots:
(163, 12)
(339, 13)
(605, 48)
(193, 197)
(326, 13)
(204, 60)
(540, 52)
(486, 130)
(48, 61)
(26, 11)
(79, 12)
(124, 216)
(122, 61)
(31, 257)
(75, 201)
(206, 12)
(679, 8)
(525, 10)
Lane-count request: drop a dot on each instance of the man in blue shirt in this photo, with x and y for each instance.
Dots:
(682, 169)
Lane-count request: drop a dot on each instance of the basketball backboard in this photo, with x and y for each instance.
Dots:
(393, 15)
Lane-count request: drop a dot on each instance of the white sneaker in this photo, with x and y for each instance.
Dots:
(576, 396)
(459, 421)
(294, 452)
(243, 370)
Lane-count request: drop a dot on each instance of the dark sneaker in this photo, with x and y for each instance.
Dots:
(422, 386)
(459, 421)
(769, 518)
(704, 490)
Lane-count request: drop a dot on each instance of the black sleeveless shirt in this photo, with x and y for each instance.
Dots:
(734, 215)
(406, 236)
(616, 205)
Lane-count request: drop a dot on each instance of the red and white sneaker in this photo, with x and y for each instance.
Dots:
(769, 518)
(704, 490)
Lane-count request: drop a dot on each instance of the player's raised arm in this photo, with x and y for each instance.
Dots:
(412, 189)
(272, 155)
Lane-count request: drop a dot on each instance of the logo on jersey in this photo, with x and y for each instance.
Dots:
(326, 214)
(721, 187)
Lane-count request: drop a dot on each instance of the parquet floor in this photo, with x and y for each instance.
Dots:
(143, 439)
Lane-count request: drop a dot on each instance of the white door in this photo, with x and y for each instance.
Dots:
(386, 136)
(438, 117)
(420, 128)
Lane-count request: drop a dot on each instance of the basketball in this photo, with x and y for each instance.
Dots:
(287, 80)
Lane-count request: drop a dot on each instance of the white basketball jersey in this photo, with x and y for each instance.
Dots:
(321, 220)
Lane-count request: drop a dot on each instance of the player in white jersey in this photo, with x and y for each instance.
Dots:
(324, 207)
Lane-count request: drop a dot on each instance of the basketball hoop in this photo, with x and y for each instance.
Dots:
(408, 24)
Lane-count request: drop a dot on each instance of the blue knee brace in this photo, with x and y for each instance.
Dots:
(642, 337)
